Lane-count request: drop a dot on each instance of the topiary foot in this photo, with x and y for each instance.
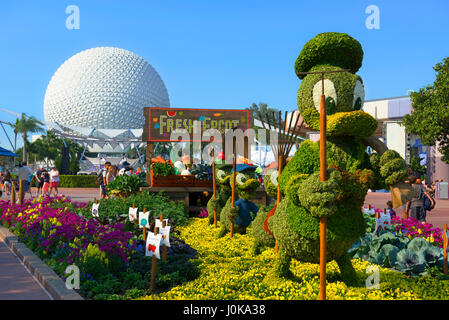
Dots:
(347, 271)
(221, 232)
(282, 266)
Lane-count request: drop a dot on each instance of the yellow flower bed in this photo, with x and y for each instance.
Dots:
(229, 270)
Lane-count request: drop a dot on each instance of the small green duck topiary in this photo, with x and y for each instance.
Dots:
(244, 211)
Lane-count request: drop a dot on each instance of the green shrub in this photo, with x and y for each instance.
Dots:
(93, 261)
(156, 203)
(127, 184)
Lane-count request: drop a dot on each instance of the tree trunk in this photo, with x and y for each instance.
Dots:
(24, 136)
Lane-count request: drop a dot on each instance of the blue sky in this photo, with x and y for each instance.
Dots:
(216, 53)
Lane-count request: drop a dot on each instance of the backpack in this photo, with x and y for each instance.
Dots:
(100, 177)
(429, 201)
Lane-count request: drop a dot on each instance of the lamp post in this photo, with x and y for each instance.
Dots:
(323, 171)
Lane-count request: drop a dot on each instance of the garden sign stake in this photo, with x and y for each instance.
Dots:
(154, 266)
(164, 248)
(21, 192)
(445, 239)
(144, 228)
(214, 188)
(233, 182)
(323, 171)
(13, 192)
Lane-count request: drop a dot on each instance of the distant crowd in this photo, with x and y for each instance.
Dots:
(46, 181)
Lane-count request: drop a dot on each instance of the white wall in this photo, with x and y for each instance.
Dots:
(396, 138)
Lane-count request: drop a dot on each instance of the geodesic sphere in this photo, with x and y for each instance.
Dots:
(105, 88)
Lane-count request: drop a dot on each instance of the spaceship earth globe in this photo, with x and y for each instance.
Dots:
(105, 88)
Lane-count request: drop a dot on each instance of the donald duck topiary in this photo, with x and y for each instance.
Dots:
(351, 171)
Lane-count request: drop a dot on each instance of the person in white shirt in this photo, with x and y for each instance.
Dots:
(23, 174)
(54, 180)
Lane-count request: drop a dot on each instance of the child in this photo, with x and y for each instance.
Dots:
(390, 209)
(46, 179)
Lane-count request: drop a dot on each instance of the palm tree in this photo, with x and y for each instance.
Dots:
(25, 125)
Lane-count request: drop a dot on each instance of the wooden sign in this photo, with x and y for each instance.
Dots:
(383, 220)
(161, 122)
(132, 214)
(159, 222)
(445, 242)
(152, 245)
(143, 220)
(369, 211)
(165, 233)
(95, 209)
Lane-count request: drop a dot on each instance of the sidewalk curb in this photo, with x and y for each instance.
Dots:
(43, 273)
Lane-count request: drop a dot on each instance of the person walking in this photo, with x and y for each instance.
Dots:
(46, 178)
(39, 180)
(7, 182)
(390, 209)
(101, 176)
(110, 176)
(54, 180)
(415, 207)
(23, 174)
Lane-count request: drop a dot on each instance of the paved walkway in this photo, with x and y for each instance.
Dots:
(16, 282)
(438, 216)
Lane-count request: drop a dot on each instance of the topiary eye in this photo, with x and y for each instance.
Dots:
(240, 178)
(329, 92)
(331, 106)
(274, 177)
(221, 174)
(359, 95)
(358, 104)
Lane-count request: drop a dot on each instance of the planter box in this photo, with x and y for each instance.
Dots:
(203, 183)
(172, 181)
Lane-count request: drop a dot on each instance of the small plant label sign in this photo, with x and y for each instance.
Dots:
(95, 209)
(159, 223)
(165, 233)
(384, 220)
(152, 245)
(132, 214)
(143, 220)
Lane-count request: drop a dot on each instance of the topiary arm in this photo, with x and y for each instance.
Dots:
(392, 167)
(320, 197)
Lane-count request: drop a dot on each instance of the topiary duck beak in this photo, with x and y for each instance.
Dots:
(353, 123)
(225, 180)
(250, 184)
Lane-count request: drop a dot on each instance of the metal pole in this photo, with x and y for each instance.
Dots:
(323, 169)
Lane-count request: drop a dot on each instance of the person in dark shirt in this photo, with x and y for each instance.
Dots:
(45, 176)
(390, 209)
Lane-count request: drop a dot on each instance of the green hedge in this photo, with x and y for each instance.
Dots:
(73, 181)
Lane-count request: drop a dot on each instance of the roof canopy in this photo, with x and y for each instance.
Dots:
(7, 153)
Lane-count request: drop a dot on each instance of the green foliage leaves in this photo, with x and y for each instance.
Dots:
(93, 261)
(127, 184)
(412, 257)
(338, 49)
(163, 169)
(156, 203)
(430, 114)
